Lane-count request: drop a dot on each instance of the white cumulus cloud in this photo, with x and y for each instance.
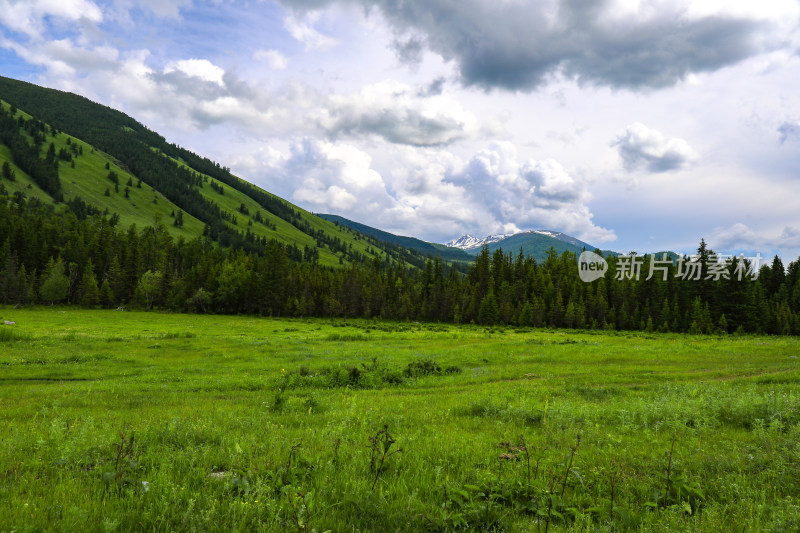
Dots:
(643, 148)
(28, 16)
(399, 114)
(202, 69)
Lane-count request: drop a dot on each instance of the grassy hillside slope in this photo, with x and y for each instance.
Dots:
(272, 226)
(88, 180)
(171, 179)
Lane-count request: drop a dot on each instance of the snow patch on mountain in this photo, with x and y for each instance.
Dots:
(465, 242)
(468, 242)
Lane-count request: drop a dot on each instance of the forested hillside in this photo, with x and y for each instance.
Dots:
(61, 147)
(52, 257)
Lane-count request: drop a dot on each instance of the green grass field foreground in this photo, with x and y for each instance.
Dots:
(165, 422)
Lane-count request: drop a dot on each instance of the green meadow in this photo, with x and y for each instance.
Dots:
(119, 421)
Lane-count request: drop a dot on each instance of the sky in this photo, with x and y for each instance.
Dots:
(633, 125)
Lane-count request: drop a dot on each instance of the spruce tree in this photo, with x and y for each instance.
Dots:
(106, 294)
(89, 293)
(488, 312)
(116, 280)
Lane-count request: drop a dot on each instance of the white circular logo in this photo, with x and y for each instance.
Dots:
(591, 266)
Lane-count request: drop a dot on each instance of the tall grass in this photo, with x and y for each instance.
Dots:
(7, 334)
(266, 425)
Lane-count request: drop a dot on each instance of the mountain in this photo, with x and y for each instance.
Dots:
(63, 148)
(430, 249)
(468, 242)
(465, 242)
(534, 243)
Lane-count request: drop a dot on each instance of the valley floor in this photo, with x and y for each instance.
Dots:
(147, 421)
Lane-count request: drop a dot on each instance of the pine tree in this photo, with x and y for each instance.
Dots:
(700, 317)
(106, 295)
(9, 279)
(89, 293)
(23, 288)
(50, 158)
(8, 173)
(488, 313)
(526, 315)
(723, 324)
(116, 280)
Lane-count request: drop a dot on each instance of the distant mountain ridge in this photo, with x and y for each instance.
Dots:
(431, 249)
(535, 243)
(468, 242)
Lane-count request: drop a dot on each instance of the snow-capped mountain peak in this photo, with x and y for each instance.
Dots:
(465, 242)
(468, 242)
(496, 237)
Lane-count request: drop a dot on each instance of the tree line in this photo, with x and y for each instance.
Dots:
(51, 255)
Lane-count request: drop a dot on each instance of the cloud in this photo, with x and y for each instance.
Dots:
(789, 129)
(531, 194)
(740, 236)
(202, 69)
(417, 199)
(642, 148)
(520, 46)
(333, 176)
(551, 181)
(275, 59)
(409, 51)
(30, 16)
(168, 9)
(193, 93)
(399, 114)
(197, 93)
(303, 30)
(430, 193)
(63, 57)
